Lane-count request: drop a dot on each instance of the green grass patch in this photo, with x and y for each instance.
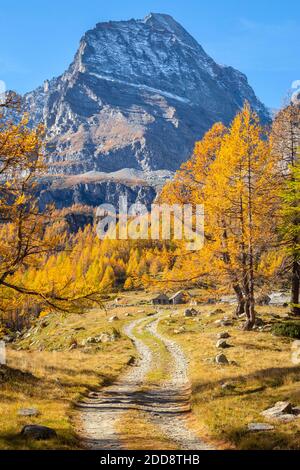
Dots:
(289, 329)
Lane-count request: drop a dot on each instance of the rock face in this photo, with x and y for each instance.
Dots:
(64, 193)
(137, 95)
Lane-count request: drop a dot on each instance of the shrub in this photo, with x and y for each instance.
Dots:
(290, 329)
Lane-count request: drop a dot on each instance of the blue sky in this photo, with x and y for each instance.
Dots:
(259, 37)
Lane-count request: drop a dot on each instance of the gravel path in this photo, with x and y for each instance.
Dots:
(166, 404)
(100, 411)
(175, 427)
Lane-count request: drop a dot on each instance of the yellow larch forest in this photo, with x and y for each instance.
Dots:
(236, 172)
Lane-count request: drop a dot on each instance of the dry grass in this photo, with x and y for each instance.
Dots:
(45, 374)
(263, 375)
(138, 433)
(50, 377)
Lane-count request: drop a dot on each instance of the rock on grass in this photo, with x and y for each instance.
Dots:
(222, 344)
(38, 433)
(282, 411)
(28, 412)
(221, 359)
(259, 427)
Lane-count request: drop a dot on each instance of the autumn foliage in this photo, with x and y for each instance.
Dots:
(246, 177)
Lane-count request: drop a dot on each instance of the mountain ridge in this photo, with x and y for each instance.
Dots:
(137, 95)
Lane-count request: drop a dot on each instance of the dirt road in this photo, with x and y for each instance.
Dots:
(165, 402)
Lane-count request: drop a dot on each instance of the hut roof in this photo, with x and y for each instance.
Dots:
(181, 292)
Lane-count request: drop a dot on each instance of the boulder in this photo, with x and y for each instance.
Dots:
(221, 359)
(263, 300)
(189, 313)
(223, 335)
(259, 427)
(222, 344)
(285, 418)
(38, 433)
(280, 408)
(282, 411)
(28, 412)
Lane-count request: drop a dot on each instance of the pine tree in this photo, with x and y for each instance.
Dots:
(108, 280)
(129, 284)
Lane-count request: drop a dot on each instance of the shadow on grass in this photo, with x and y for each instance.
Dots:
(11, 441)
(271, 377)
(268, 440)
(71, 372)
(259, 347)
(16, 376)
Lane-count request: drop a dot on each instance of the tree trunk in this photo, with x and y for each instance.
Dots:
(250, 314)
(295, 288)
(240, 300)
(250, 271)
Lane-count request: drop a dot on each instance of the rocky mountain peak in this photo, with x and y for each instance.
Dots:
(137, 95)
(167, 23)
